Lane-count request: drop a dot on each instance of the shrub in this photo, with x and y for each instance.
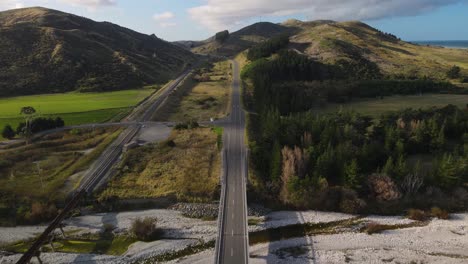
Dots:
(439, 213)
(418, 215)
(454, 72)
(170, 143)
(383, 187)
(38, 212)
(181, 126)
(350, 202)
(8, 132)
(145, 229)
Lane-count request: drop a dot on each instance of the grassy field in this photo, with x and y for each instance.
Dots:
(375, 107)
(74, 108)
(188, 169)
(200, 100)
(41, 171)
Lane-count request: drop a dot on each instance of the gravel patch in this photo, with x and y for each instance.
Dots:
(441, 241)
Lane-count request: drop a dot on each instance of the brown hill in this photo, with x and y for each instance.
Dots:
(355, 42)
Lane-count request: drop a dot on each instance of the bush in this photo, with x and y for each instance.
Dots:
(187, 125)
(169, 143)
(38, 213)
(350, 202)
(454, 72)
(418, 215)
(41, 124)
(439, 213)
(8, 132)
(383, 187)
(145, 229)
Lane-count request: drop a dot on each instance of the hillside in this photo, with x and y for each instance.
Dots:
(352, 42)
(330, 41)
(45, 51)
(240, 40)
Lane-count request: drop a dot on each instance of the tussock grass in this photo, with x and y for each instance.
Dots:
(199, 101)
(59, 155)
(375, 228)
(189, 170)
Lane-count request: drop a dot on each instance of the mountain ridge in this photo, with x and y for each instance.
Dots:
(352, 42)
(44, 50)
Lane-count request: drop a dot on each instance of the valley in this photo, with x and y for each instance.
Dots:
(293, 142)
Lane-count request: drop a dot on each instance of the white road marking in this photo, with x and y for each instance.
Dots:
(232, 232)
(232, 252)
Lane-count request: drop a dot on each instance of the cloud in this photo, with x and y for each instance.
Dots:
(163, 16)
(10, 4)
(222, 14)
(164, 19)
(167, 24)
(90, 3)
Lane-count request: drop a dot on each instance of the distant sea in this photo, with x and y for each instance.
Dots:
(458, 44)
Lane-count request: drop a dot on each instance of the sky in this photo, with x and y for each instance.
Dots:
(172, 20)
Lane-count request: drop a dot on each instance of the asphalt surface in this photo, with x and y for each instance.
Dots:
(234, 240)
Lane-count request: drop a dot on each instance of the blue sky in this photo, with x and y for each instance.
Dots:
(199, 19)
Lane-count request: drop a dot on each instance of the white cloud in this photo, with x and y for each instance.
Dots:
(90, 3)
(222, 14)
(163, 16)
(165, 19)
(10, 4)
(167, 24)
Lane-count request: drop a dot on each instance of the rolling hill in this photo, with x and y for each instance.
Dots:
(239, 40)
(354, 42)
(47, 51)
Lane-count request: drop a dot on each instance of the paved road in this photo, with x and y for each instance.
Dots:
(234, 240)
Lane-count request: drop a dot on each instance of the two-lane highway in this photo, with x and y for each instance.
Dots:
(234, 236)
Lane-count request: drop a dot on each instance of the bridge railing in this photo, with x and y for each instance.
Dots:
(222, 207)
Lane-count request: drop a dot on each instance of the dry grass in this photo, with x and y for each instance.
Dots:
(375, 228)
(439, 213)
(58, 157)
(199, 101)
(418, 215)
(333, 41)
(189, 171)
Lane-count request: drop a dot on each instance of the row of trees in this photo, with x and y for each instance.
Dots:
(267, 48)
(33, 126)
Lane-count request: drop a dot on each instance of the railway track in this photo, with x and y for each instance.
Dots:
(100, 168)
